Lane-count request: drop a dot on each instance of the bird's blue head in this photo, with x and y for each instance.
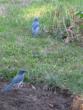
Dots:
(22, 72)
(36, 19)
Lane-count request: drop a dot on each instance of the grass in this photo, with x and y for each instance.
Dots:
(46, 59)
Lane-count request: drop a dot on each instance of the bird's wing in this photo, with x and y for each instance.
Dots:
(35, 25)
(17, 79)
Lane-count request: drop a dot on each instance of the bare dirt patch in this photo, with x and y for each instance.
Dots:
(28, 98)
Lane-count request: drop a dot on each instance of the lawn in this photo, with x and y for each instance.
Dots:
(47, 59)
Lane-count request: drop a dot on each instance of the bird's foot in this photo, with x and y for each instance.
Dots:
(20, 85)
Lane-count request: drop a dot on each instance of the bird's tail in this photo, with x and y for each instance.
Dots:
(7, 88)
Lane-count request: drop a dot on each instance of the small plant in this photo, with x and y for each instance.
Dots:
(80, 14)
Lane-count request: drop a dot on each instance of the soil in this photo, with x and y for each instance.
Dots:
(36, 97)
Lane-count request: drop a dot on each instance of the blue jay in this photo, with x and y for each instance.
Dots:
(35, 27)
(17, 80)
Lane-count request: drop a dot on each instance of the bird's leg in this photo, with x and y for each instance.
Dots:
(20, 84)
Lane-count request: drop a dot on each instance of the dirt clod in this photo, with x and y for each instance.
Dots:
(77, 103)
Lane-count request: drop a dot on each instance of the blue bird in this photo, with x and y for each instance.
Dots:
(17, 80)
(35, 27)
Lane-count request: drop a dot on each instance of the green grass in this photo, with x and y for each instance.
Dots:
(46, 59)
